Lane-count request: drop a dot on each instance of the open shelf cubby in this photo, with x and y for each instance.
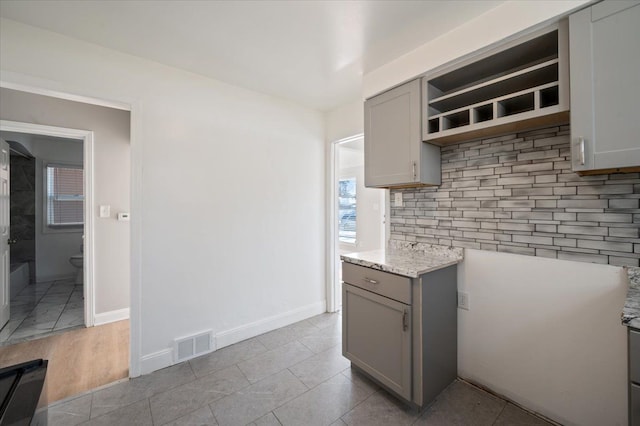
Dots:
(483, 113)
(521, 80)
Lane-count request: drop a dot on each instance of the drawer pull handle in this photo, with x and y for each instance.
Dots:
(405, 321)
(370, 281)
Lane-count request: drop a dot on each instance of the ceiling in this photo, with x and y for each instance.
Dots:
(311, 52)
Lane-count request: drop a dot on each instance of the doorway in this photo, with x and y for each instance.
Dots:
(357, 213)
(50, 281)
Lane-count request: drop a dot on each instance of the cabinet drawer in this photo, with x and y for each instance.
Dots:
(634, 355)
(389, 285)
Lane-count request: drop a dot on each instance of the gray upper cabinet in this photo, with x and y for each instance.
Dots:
(519, 85)
(394, 152)
(605, 86)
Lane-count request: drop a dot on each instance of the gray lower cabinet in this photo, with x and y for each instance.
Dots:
(378, 337)
(634, 377)
(401, 331)
(394, 154)
(605, 86)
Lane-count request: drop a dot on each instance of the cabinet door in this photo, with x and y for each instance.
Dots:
(605, 86)
(634, 405)
(392, 136)
(634, 355)
(376, 337)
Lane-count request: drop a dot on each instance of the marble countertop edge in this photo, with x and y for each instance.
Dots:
(408, 259)
(631, 310)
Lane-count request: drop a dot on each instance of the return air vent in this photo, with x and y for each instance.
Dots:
(193, 346)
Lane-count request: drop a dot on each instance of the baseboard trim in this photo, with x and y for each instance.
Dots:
(111, 316)
(156, 361)
(247, 331)
(164, 358)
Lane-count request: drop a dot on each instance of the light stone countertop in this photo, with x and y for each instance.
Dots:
(407, 259)
(631, 310)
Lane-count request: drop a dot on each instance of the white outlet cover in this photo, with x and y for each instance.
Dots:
(398, 199)
(463, 300)
(105, 211)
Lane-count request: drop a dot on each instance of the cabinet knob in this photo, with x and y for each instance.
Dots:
(414, 170)
(405, 321)
(370, 281)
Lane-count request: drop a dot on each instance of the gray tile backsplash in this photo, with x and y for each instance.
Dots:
(517, 194)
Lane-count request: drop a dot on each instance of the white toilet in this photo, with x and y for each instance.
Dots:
(77, 260)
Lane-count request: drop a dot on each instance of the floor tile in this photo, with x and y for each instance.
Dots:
(273, 361)
(339, 422)
(226, 357)
(515, 416)
(43, 309)
(326, 320)
(9, 328)
(324, 404)
(287, 334)
(462, 404)
(70, 318)
(381, 409)
(255, 401)
(136, 414)
(323, 338)
(122, 394)
(267, 420)
(318, 368)
(38, 330)
(360, 378)
(177, 402)
(200, 417)
(44, 313)
(71, 412)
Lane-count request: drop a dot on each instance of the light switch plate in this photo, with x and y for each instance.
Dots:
(105, 211)
(397, 202)
(463, 300)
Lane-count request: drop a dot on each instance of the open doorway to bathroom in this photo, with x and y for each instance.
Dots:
(47, 227)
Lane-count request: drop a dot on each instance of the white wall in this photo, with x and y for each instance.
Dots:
(495, 25)
(345, 121)
(228, 192)
(546, 333)
(53, 247)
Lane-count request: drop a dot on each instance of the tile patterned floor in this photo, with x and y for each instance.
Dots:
(295, 375)
(41, 309)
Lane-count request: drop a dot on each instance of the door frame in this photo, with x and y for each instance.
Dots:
(332, 242)
(89, 232)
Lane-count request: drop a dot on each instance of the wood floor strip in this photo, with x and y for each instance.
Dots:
(79, 360)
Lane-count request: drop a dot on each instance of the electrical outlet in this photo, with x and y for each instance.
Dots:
(463, 300)
(398, 199)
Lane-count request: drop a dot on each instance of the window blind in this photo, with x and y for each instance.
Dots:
(65, 195)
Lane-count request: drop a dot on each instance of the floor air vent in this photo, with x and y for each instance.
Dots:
(193, 346)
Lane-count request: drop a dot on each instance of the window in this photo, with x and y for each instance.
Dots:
(347, 210)
(65, 195)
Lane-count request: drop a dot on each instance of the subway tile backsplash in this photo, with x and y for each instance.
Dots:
(517, 194)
